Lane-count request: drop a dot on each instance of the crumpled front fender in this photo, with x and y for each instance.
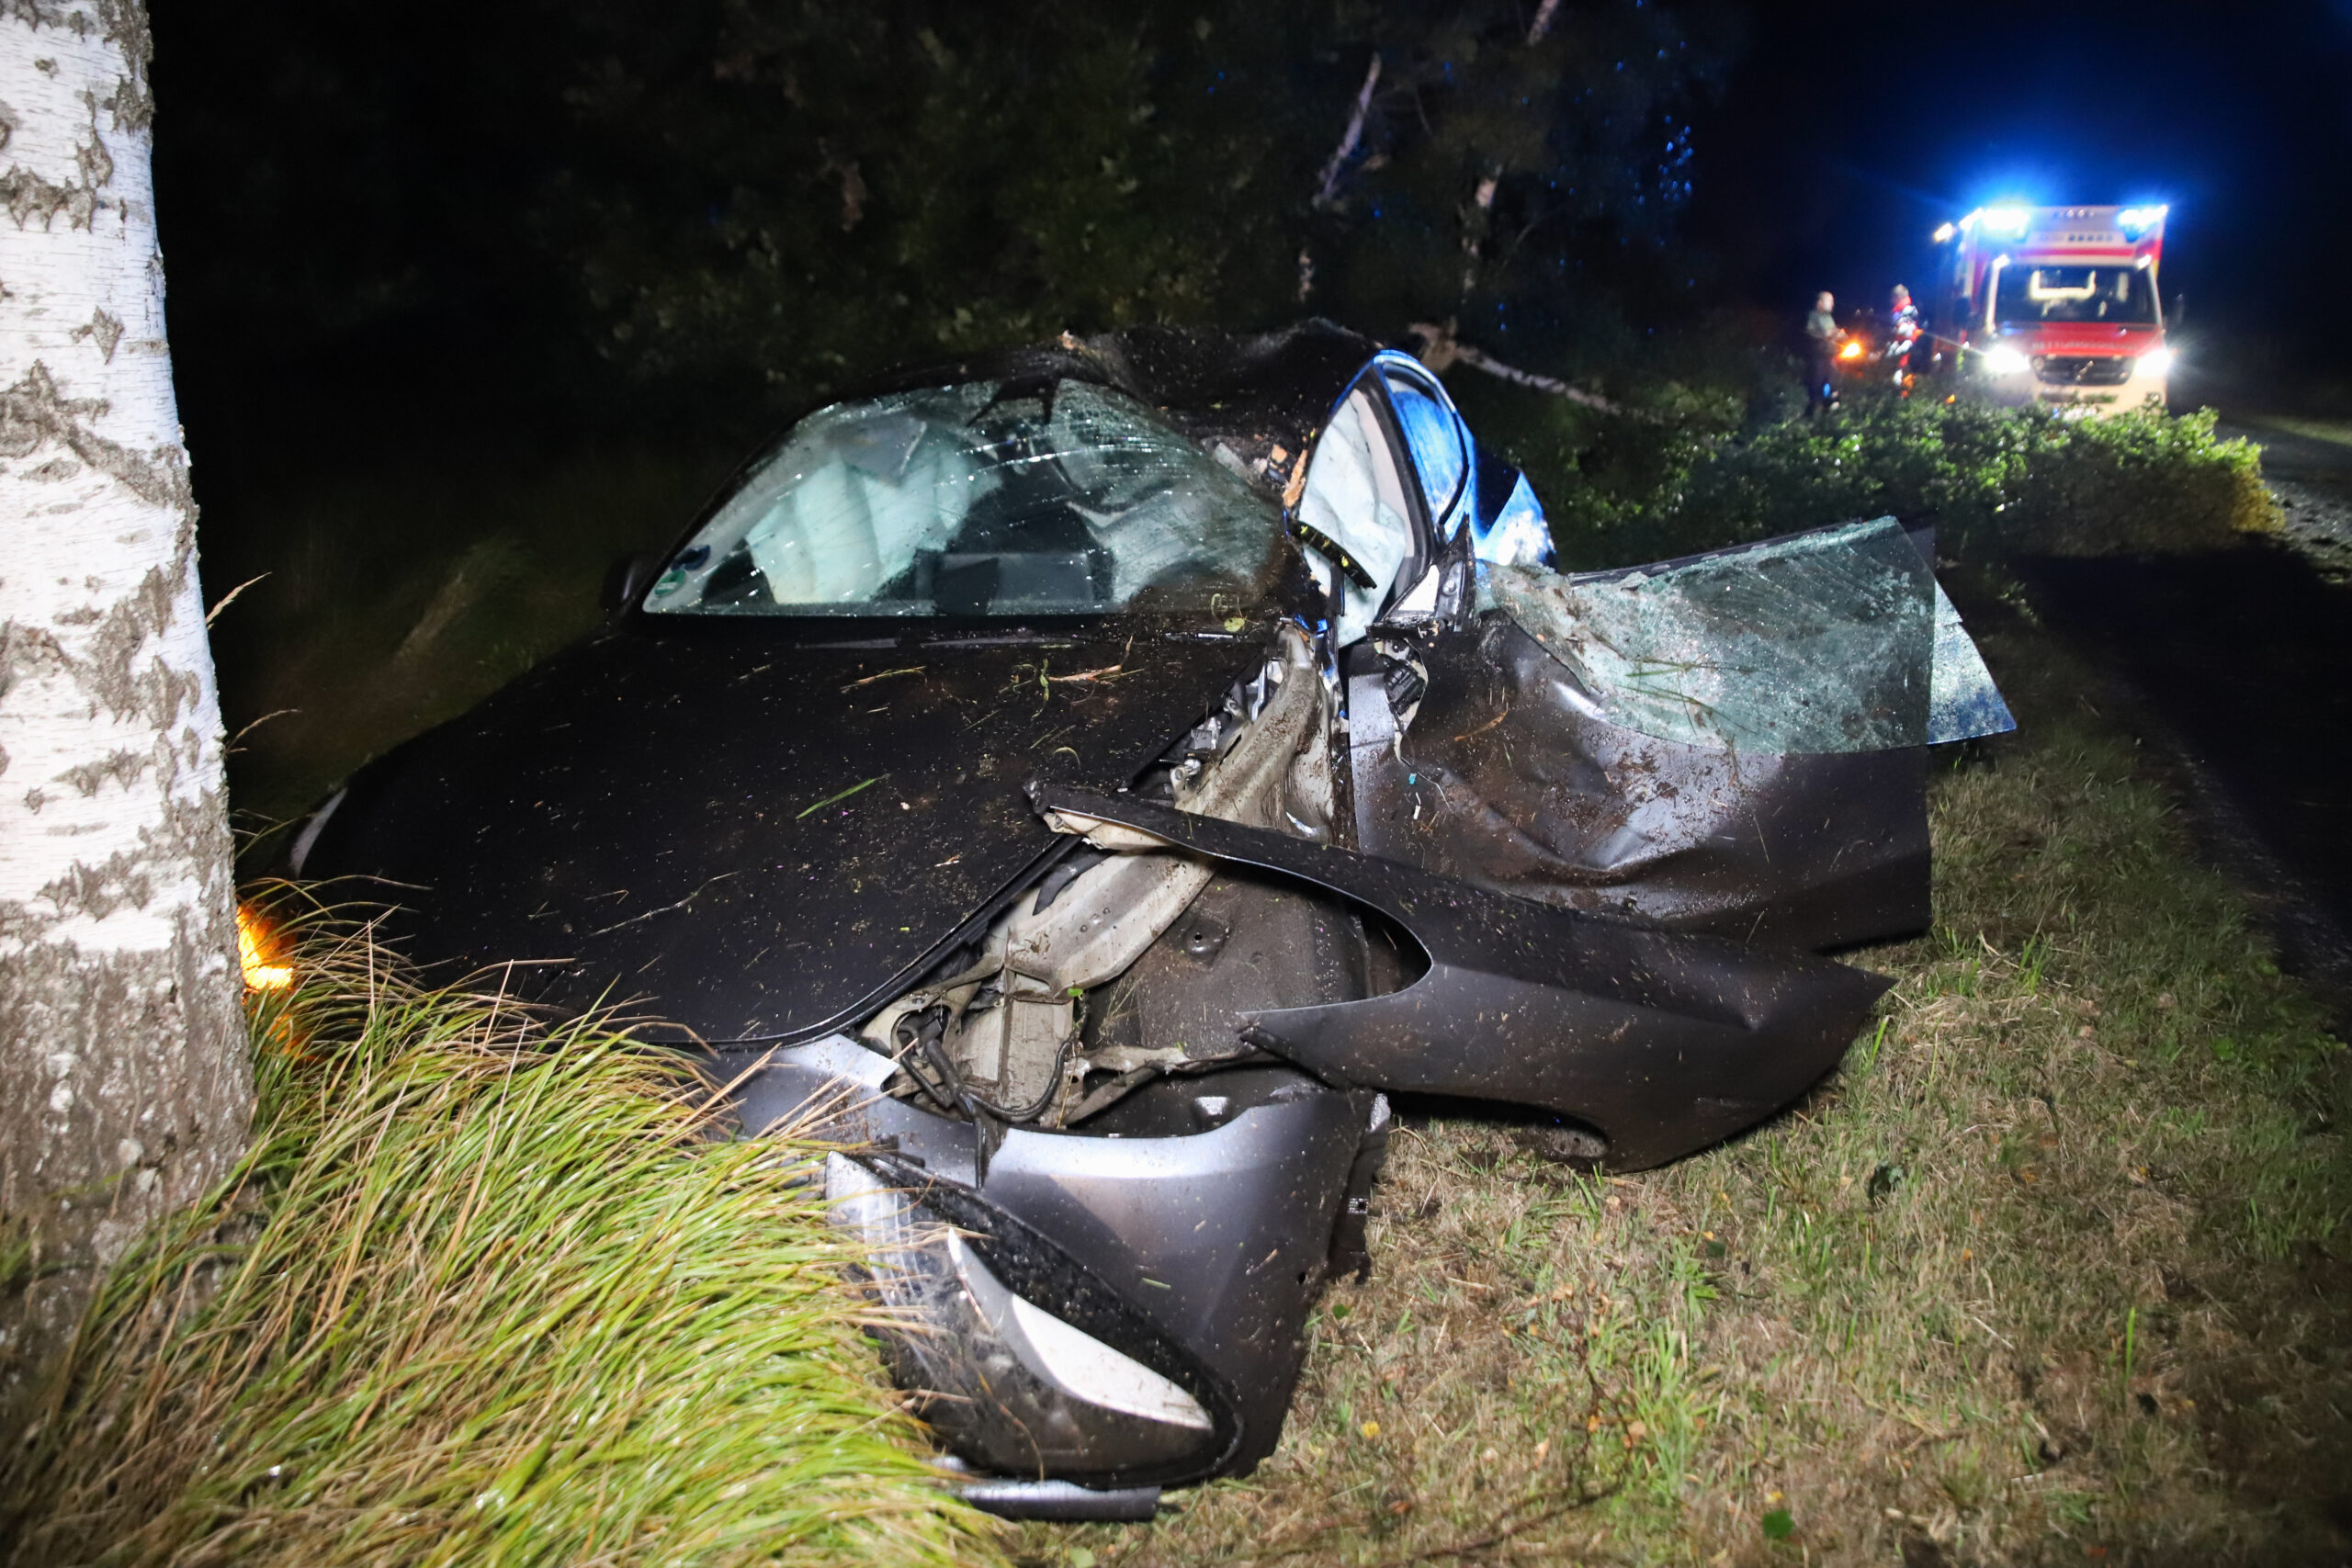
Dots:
(1662, 1042)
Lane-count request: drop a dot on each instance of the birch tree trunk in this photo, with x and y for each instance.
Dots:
(125, 1087)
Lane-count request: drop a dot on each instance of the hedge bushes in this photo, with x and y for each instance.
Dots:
(1682, 478)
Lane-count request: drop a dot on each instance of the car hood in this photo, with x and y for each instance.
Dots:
(760, 838)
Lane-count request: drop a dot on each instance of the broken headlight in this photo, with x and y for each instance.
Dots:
(1022, 1359)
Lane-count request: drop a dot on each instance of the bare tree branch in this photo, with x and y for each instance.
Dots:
(1476, 227)
(1325, 193)
(1440, 349)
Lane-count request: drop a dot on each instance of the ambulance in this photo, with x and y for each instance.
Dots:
(2056, 305)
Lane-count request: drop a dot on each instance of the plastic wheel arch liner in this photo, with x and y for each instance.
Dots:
(1662, 1042)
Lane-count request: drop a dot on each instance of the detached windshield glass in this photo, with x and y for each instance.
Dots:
(2121, 295)
(985, 499)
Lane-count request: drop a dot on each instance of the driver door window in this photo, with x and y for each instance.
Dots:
(1435, 438)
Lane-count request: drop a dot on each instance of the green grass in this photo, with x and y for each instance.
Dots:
(2054, 1270)
(483, 1293)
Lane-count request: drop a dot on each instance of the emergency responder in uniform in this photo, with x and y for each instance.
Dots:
(1901, 334)
(1820, 353)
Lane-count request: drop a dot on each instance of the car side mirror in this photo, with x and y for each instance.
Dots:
(627, 580)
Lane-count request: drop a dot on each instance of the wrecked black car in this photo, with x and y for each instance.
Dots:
(1087, 781)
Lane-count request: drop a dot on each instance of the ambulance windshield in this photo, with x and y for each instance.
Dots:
(2120, 296)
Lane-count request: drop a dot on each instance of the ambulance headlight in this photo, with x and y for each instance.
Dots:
(2156, 362)
(2003, 360)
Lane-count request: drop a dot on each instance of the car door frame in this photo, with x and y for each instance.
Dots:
(1428, 543)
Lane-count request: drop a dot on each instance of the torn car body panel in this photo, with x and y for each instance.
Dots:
(1663, 1043)
(1510, 777)
(1733, 743)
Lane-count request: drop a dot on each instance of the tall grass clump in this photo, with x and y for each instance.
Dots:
(487, 1290)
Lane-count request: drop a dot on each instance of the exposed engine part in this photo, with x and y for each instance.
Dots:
(918, 1039)
(1246, 943)
(1010, 1026)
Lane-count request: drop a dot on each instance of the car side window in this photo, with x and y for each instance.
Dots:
(1464, 486)
(1434, 439)
(1357, 515)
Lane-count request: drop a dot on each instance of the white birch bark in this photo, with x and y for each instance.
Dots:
(124, 1084)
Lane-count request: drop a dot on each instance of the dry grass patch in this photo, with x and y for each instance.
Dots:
(2052, 1271)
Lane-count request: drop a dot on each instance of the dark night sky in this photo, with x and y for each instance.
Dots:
(1850, 131)
(1846, 133)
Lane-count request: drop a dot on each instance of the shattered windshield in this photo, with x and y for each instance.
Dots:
(2124, 295)
(1046, 497)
